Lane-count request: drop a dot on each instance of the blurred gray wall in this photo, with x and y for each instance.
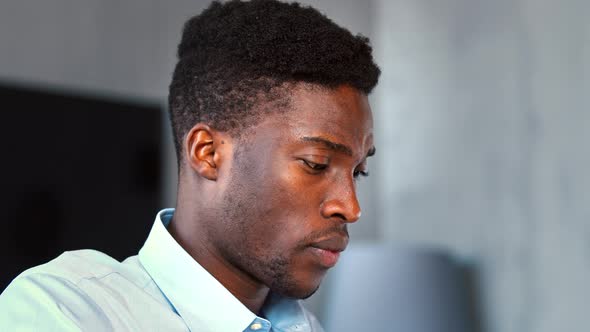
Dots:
(481, 116)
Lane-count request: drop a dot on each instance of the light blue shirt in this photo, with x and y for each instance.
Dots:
(161, 289)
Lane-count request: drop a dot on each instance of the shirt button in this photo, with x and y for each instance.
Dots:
(256, 326)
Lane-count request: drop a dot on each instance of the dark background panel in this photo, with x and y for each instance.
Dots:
(75, 172)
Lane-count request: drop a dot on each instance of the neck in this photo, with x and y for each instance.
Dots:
(187, 229)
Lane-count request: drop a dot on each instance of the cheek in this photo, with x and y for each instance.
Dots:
(279, 201)
(287, 212)
(298, 191)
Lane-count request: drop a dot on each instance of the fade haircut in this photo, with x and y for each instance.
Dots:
(236, 56)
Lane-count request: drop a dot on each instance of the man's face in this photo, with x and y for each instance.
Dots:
(292, 190)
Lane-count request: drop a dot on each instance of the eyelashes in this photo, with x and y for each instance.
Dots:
(317, 168)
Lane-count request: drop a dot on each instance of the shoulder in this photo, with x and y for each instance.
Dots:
(76, 265)
(67, 291)
(84, 267)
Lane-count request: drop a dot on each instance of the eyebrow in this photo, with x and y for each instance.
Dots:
(335, 146)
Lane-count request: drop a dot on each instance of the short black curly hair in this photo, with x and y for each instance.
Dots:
(236, 55)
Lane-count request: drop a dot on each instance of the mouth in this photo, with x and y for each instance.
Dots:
(327, 251)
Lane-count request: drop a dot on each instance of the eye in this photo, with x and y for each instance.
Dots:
(314, 167)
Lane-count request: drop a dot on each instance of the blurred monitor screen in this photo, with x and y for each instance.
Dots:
(76, 172)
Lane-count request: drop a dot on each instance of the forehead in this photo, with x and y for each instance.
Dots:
(342, 114)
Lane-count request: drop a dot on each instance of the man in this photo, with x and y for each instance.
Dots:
(272, 128)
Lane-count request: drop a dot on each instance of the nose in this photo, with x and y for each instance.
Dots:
(341, 202)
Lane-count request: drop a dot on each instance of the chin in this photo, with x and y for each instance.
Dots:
(297, 288)
(300, 293)
(294, 279)
(308, 293)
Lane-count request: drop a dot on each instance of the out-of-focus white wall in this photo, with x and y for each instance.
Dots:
(481, 118)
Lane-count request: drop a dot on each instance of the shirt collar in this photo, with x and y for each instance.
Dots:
(286, 314)
(201, 300)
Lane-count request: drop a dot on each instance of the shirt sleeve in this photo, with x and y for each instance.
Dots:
(40, 302)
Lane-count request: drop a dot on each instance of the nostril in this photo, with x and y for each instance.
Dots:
(339, 216)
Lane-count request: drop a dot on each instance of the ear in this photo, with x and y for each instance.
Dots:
(201, 149)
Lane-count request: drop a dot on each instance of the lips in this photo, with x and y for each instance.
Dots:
(335, 243)
(327, 251)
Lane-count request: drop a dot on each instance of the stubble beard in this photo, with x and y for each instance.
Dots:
(245, 249)
(273, 270)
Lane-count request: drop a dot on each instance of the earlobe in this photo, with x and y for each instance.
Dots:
(200, 151)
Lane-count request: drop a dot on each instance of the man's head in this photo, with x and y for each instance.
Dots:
(272, 127)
